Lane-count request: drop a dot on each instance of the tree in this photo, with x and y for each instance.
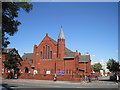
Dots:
(112, 65)
(10, 23)
(97, 67)
(11, 63)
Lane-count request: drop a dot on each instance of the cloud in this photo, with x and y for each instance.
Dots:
(93, 55)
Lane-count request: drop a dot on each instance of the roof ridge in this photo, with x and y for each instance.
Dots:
(9, 48)
(55, 42)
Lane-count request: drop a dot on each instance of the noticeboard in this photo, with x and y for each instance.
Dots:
(47, 72)
(61, 72)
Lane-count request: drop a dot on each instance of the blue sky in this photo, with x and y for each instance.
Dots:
(87, 26)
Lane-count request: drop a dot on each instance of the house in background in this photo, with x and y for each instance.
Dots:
(5, 53)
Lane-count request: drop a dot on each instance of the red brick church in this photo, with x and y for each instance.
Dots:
(51, 58)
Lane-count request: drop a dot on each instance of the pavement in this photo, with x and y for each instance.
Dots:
(31, 83)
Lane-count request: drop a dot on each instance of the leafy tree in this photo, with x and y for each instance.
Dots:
(10, 23)
(112, 65)
(11, 63)
(97, 67)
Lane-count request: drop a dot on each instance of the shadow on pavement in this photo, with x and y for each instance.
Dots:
(8, 87)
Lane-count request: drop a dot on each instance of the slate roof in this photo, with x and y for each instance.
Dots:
(84, 58)
(12, 51)
(68, 52)
(28, 56)
(54, 42)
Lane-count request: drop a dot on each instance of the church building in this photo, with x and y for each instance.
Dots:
(52, 57)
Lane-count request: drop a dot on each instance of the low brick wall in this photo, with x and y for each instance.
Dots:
(48, 77)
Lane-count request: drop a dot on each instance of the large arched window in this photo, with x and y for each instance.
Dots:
(46, 53)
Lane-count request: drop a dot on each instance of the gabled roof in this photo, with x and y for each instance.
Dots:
(11, 51)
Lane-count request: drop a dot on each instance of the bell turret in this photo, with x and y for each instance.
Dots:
(61, 45)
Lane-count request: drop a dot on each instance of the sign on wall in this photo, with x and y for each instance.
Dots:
(61, 72)
(35, 72)
(47, 72)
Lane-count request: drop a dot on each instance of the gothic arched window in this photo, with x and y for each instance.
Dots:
(43, 52)
(41, 55)
(46, 54)
(50, 55)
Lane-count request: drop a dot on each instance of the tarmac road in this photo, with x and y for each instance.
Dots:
(22, 84)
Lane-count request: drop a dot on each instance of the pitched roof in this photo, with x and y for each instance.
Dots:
(11, 51)
(84, 58)
(28, 56)
(68, 52)
(54, 42)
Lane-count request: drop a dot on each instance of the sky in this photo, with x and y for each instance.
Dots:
(88, 27)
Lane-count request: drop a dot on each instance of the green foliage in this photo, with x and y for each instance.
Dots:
(10, 24)
(11, 62)
(112, 65)
(97, 67)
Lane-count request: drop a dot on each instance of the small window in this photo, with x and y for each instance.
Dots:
(41, 55)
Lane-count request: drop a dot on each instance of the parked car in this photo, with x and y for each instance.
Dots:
(113, 78)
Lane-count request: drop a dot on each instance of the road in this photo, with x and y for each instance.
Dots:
(21, 84)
